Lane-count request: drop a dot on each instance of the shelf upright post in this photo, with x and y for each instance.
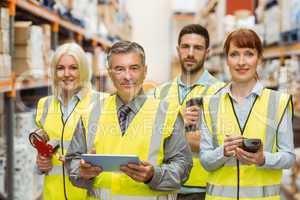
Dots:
(54, 35)
(9, 111)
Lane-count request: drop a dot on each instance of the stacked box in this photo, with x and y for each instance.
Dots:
(47, 52)
(4, 31)
(5, 67)
(5, 59)
(4, 18)
(272, 25)
(99, 61)
(28, 59)
(4, 41)
(290, 15)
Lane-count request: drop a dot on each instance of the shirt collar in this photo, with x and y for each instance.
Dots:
(78, 96)
(135, 104)
(206, 79)
(256, 90)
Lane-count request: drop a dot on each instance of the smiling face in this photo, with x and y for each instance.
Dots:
(192, 52)
(128, 74)
(67, 74)
(242, 63)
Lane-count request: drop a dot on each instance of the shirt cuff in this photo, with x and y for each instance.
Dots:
(220, 157)
(268, 160)
(154, 182)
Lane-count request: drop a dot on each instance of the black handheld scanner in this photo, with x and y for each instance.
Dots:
(251, 144)
(196, 101)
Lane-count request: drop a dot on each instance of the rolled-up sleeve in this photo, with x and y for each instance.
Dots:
(177, 161)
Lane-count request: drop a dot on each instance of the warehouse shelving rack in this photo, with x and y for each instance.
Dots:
(11, 87)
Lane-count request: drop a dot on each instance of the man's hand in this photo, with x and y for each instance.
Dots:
(191, 115)
(231, 143)
(87, 171)
(249, 158)
(142, 172)
(193, 138)
(44, 164)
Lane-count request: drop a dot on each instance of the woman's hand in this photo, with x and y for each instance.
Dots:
(44, 164)
(231, 143)
(249, 158)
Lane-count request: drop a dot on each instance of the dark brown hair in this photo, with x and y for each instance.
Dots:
(244, 38)
(196, 29)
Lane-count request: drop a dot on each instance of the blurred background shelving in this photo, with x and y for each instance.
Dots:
(30, 31)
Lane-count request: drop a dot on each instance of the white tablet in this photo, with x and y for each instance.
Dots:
(110, 162)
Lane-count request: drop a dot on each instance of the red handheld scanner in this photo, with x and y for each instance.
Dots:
(39, 142)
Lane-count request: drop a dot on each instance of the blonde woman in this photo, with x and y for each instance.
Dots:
(58, 115)
(246, 109)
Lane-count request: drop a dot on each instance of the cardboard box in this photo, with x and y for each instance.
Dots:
(22, 32)
(23, 51)
(4, 41)
(4, 19)
(5, 67)
(21, 66)
(24, 69)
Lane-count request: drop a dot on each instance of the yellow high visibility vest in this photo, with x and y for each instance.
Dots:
(144, 137)
(170, 93)
(235, 178)
(49, 118)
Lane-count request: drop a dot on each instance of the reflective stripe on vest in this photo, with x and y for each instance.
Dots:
(157, 134)
(149, 129)
(273, 123)
(51, 120)
(56, 170)
(245, 192)
(93, 122)
(105, 194)
(45, 110)
(170, 92)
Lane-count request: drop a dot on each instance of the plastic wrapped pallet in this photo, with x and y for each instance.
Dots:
(290, 15)
(4, 19)
(5, 67)
(25, 156)
(29, 60)
(47, 52)
(24, 161)
(4, 41)
(87, 10)
(272, 19)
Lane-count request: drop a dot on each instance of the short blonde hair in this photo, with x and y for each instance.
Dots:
(74, 50)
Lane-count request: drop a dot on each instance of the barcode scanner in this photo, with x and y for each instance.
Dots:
(251, 144)
(196, 101)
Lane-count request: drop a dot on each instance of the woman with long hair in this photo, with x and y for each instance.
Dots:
(58, 115)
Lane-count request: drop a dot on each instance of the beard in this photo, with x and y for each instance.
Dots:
(191, 70)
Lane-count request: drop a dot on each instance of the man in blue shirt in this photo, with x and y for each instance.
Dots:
(194, 81)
